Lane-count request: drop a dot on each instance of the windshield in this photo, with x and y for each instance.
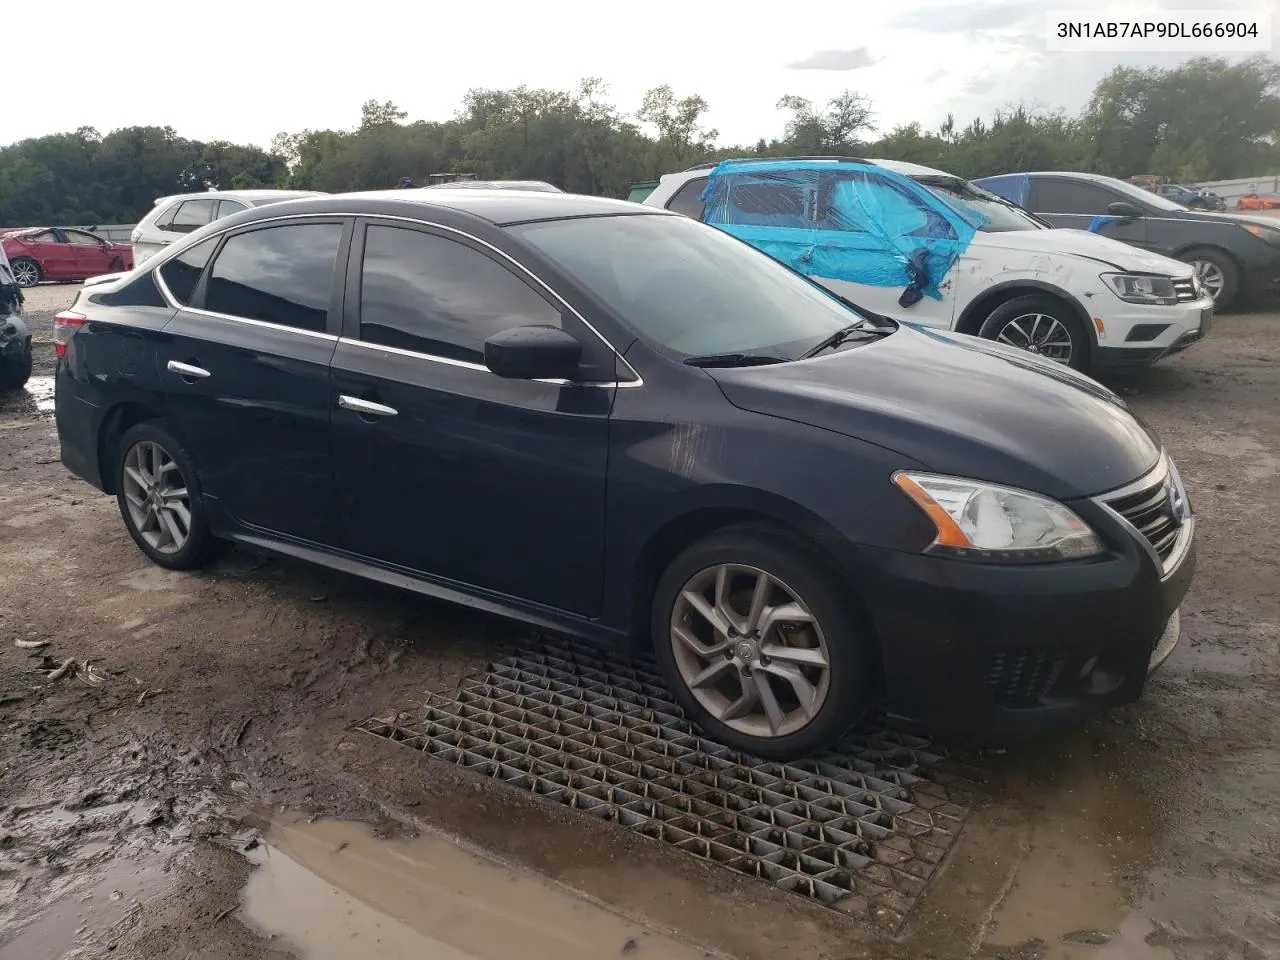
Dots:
(1000, 216)
(688, 288)
(1141, 196)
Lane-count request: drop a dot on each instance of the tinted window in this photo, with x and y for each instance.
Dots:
(192, 215)
(690, 289)
(181, 273)
(1072, 196)
(278, 275)
(431, 295)
(688, 199)
(227, 207)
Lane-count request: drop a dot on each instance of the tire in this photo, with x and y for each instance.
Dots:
(26, 271)
(1211, 262)
(153, 534)
(1015, 322)
(844, 689)
(15, 369)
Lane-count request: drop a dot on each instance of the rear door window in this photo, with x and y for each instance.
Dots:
(227, 207)
(282, 275)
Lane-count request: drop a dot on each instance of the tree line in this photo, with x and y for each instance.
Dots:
(1205, 119)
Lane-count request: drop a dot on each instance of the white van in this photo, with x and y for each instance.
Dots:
(1004, 274)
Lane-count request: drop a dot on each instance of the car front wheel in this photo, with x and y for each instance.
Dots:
(1041, 325)
(159, 496)
(759, 647)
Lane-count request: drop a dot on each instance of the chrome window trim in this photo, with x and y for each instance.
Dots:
(1160, 473)
(175, 305)
(480, 367)
(637, 382)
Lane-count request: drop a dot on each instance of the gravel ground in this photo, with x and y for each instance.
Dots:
(230, 693)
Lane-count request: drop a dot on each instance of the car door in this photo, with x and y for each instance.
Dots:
(92, 254)
(52, 253)
(442, 467)
(1083, 205)
(246, 368)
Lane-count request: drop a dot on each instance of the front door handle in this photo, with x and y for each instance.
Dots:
(187, 370)
(366, 407)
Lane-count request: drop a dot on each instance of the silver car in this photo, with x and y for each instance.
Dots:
(174, 216)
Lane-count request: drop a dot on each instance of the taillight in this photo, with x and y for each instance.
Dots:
(65, 325)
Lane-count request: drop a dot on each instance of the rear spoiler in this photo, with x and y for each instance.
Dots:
(104, 278)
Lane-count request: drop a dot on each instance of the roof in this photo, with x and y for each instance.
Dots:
(238, 194)
(538, 186)
(500, 207)
(912, 169)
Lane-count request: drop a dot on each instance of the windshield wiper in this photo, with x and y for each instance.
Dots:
(732, 360)
(843, 335)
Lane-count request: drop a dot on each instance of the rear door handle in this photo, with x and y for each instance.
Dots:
(187, 370)
(366, 407)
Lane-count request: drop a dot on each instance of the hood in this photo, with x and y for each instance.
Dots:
(960, 406)
(1081, 243)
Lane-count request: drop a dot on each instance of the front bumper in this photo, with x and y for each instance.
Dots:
(1143, 335)
(1010, 652)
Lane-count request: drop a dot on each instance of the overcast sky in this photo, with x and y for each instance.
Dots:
(243, 70)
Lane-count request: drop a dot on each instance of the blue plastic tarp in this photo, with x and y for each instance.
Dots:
(855, 222)
(1015, 187)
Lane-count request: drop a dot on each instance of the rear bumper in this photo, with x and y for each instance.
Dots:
(1006, 653)
(79, 422)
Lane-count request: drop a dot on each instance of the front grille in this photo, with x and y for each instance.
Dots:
(1023, 676)
(1154, 512)
(1185, 289)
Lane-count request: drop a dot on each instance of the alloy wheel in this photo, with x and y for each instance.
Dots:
(1040, 334)
(749, 650)
(1210, 275)
(26, 273)
(156, 494)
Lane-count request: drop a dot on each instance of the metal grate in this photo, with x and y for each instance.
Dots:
(861, 828)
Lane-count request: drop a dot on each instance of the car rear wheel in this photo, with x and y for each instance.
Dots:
(159, 496)
(1218, 272)
(26, 271)
(760, 648)
(1041, 325)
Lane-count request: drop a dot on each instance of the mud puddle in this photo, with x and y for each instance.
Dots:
(330, 890)
(81, 922)
(39, 394)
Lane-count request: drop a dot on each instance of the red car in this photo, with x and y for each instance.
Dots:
(52, 253)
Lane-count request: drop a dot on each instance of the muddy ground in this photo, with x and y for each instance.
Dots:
(209, 717)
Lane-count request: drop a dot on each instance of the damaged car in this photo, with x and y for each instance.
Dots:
(927, 247)
(15, 335)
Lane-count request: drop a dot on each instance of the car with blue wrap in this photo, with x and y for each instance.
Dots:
(929, 248)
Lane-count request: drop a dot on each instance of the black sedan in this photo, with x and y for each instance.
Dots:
(611, 421)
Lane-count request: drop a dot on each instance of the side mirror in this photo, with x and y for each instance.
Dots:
(1124, 210)
(533, 353)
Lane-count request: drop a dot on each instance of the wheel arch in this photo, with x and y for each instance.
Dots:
(697, 521)
(972, 317)
(119, 419)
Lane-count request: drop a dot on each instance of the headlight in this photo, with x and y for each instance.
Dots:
(981, 521)
(1138, 288)
(1266, 234)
